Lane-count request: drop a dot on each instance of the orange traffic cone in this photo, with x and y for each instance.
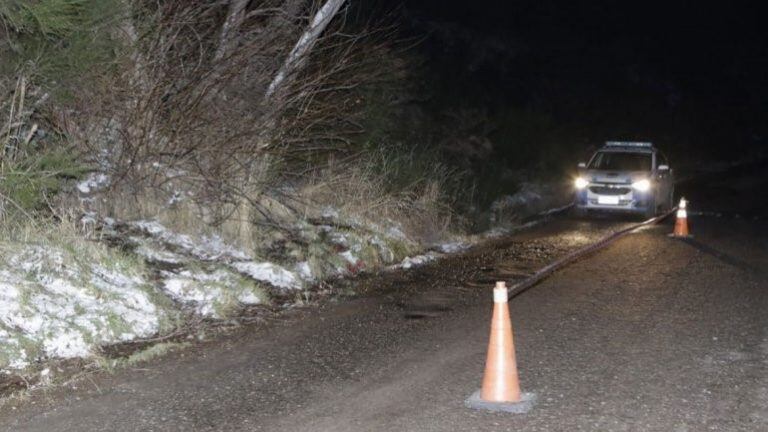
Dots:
(681, 222)
(501, 387)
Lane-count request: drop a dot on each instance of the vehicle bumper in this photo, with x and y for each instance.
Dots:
(631, 202)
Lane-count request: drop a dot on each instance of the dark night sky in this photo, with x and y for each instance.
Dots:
(688, 74)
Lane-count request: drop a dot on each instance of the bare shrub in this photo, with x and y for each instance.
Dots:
(184, 118)
(181, 123)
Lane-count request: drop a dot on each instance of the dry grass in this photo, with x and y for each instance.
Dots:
(362, 189)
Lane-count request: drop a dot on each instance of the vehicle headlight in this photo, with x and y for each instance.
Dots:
(581, 183)
(642, 185)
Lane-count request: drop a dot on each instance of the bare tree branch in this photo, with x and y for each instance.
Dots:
(299, 52)
(228, 34)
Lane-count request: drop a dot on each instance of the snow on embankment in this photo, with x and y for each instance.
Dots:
(63, 298)
(67, 297)
(205, 273)
(56, 302)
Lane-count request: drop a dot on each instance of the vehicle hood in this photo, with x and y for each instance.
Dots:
(599, 176)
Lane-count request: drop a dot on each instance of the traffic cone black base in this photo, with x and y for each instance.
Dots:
(527, 400)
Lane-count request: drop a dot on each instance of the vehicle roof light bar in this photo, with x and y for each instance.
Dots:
(628, 144)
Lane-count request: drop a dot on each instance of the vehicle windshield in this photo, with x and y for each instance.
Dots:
(617, 161)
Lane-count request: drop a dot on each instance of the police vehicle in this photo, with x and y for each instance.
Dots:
(622, 176)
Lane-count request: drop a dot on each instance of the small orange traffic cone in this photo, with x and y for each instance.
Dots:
(501, 386)
(681, 222)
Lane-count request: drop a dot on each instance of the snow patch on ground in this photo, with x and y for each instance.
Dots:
(453, 247)
(395, 232)
(304, 270)
(349, 257)
(93, 182)
(158, 255)
(416, 261)
(330, 213)
(272, 274)
(55, 304)
(211, 293)
(206, 248)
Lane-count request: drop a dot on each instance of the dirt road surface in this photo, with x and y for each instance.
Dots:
(651, 333)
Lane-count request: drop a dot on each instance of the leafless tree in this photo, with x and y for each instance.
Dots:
(297, 56)
(227, 101)
(231, 27)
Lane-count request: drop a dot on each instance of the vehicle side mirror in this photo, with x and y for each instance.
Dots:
(582, 165)
(663, 167)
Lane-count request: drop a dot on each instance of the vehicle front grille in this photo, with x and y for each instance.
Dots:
(606, 190)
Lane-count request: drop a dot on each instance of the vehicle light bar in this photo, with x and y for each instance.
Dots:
(628, 144)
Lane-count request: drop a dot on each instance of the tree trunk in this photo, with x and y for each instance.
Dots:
(299, 52)
(228, 34)
(127, 33)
